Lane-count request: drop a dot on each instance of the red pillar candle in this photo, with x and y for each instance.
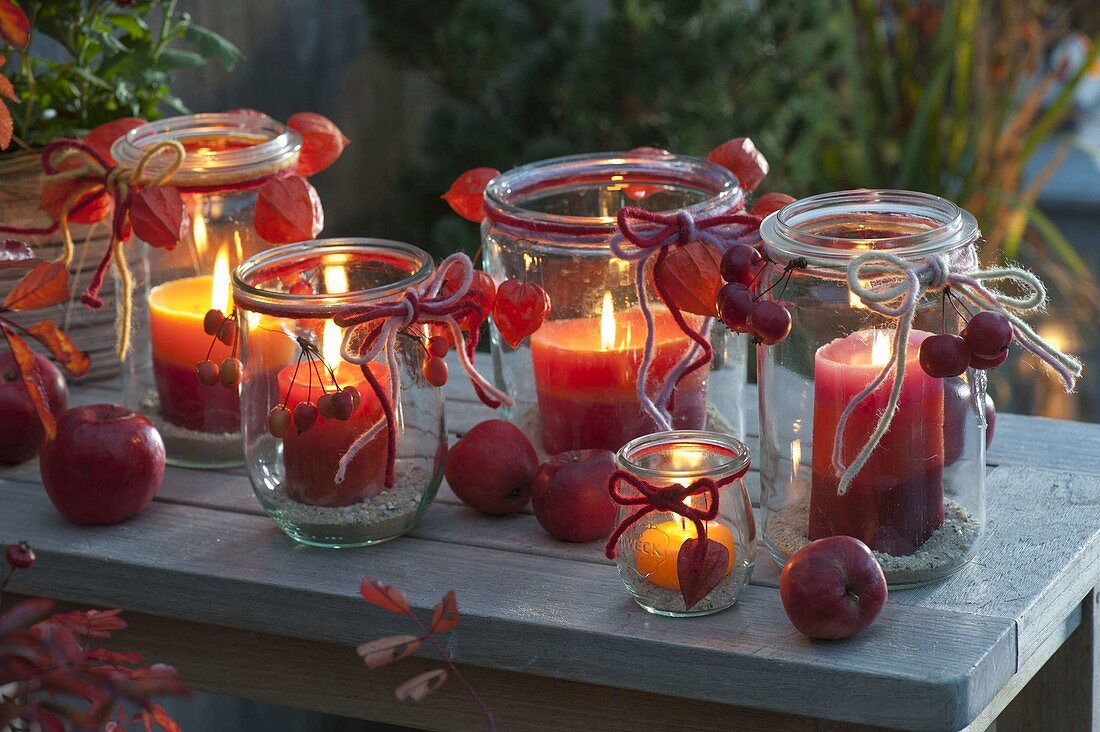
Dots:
(176, 312)
(311, 458)
(585, 371)
(896, 501)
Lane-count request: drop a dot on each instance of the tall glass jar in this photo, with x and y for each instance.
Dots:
(228, 156)
(550, 223)
(654, 555)
(919, 501)
(287, 298)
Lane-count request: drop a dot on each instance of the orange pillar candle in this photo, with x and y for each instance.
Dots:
(585, 372)
(659, 549)
(176, 312)
(312, 458)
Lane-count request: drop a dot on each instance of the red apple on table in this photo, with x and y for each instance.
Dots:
(104, 466)
(832, 588)
(21, 433)
(491, 467)
(570, 498)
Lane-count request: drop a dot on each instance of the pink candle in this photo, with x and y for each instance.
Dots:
(896, 501)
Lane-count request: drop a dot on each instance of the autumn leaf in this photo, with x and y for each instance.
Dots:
(288, 210)
(691, 275)
(446, 614)
(322, 142)
(158, 216)
(7, 90)
(15, 29)
(387, 597)
(75, 361)
(47, 284)
(699, 572)
(92, 202)
(32, 379)
(741, 157)
(420, 686)
(466, 194)
(15, 253)
(7, 127)
(101, 138)
(770, 203)
(384, 651)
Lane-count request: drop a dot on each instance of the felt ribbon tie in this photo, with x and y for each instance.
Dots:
(420, 304)
(671, 499)
(644, 234)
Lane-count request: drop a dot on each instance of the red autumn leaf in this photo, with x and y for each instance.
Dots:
(742, 158)
(322, 142)
(446, 614)
(7, 90)
(698, 577)
(420, 686)
(15, 29)
(158, 216)
(385, 651)
(481, 296)
(160, 716)
(15, 253)
(387, 597)
(691, 276)
(92, 203)
(770, 203)
(115, 657)
(520, 310)
(288, 210)
(32, 379)
(7, 126)
(47, 284)
(75, 361)
(101, 138)
(466, 194)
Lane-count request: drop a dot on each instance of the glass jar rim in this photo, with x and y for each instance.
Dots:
(291, 305)
(785, 231)
(504, 194)
(259, 160)
(738, 462)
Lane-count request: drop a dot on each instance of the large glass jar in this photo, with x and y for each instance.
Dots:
(228, 156)
(287, 298)
(551, 223)
(654, 554)
(919, 501)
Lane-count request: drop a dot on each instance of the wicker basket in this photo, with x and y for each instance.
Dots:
(91, 330)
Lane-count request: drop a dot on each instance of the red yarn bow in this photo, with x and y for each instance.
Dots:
(665, 498)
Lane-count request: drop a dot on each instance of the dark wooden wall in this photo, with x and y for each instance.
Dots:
(316, 55)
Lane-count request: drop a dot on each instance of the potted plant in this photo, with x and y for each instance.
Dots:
(66, 68)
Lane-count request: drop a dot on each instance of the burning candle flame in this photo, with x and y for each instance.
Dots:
(880, 348)
(796, 456)
(198, 234)
(607, 323)
(336, 281)
(220, 289)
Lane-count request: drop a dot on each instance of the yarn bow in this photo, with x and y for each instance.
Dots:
(892, 286)
(644, 234)
(382, 322)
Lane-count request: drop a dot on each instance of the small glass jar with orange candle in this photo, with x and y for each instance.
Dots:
(919, 500)
(321, 472)
(228, 156)
(551, 224)
(686, 538)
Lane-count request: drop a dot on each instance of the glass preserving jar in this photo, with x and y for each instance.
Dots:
(550, 223)
(654, 553)
(919, 500)
(287, 298)
(228, 156)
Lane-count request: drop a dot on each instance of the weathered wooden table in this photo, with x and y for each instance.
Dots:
(549, 635)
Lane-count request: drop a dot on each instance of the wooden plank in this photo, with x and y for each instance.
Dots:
(330, 678)
(1046, 443)
(563, 620)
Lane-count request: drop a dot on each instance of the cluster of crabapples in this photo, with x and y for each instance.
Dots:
(339, 404)
(222, 328)
(983, 344)
(741, 308)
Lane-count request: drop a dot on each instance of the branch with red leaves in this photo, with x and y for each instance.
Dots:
(391, 648)
(54, 678)
(44, 285)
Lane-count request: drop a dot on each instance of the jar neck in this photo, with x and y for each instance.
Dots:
(683, 456)
(840, 226)
(580, 195)
(222, 150)
(263, 282)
